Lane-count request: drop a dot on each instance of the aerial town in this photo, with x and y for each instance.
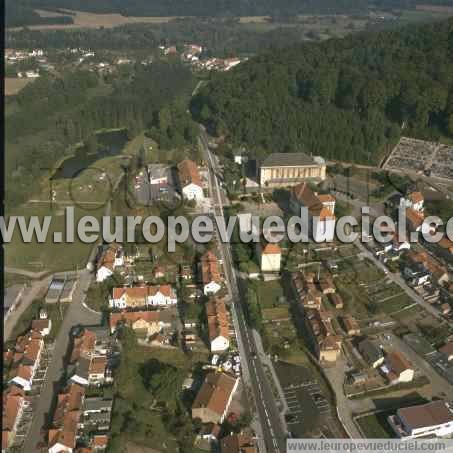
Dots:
(222, 346)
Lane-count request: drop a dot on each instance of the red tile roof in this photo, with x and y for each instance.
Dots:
(425, 415)
(215, 392)
(217, 315)
(131, 317)
(447, 349)
(188, 173)
(397, 362)
(270, 248)
(415, 197)
(416, 218)
(238, 443)
(210, 271)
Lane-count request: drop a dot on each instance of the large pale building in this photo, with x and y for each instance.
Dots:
(289, 169)
(434, 419)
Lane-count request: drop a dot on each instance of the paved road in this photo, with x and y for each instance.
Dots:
(24, 272)
(271, 432)
(76, 314)
(345, 413)
(35, 291)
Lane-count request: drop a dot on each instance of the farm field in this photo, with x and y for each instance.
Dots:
(13, 85)
(92, 20)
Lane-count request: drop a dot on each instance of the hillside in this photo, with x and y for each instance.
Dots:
(341, 98)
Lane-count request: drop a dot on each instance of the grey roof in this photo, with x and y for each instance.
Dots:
(288, 160)
(97, 404)
(370, 351)
(158, 170)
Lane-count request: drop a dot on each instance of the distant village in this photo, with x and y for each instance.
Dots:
(190, 54)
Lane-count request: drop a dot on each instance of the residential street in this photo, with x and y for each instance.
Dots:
(76, 314)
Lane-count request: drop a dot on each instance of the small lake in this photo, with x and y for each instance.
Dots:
(110, 143)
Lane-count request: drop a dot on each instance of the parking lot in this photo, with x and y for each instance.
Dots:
(309, 412)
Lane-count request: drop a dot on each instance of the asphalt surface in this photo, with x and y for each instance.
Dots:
(271, 432)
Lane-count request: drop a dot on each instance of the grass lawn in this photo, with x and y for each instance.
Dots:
(88, 193)
(354, 277)
(273, 314)
(268, 294)
(14, 279)
(395, 304)
(376, 426)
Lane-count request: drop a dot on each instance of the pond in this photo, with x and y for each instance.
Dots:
(110, 143)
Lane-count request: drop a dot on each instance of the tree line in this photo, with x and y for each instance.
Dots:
(22, 12)
(344, 98)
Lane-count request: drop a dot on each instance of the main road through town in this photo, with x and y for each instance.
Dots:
(271, 432)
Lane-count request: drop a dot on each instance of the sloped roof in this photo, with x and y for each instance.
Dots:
(188, 173)
(210, 271)
(288, 160)
(237, 443)
(397, 362)
(270, 248)
(415, 197)
(416, 218)
(424, 415)
(215, 392)
(131, 317)
(217, 315)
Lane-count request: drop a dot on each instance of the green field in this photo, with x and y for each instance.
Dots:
(88, 193)
(268, 294)
(376, 426)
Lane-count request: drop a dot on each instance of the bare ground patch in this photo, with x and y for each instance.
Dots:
(13, 85)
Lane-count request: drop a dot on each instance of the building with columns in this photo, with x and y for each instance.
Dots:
(290, 169)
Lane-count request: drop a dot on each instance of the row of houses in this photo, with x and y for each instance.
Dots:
(74, 414)
(143, 296)
(24, 361)
(309, 291)
(78, 420)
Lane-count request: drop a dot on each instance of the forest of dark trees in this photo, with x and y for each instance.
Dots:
(21, 12)
(343, 99)
(54, 113)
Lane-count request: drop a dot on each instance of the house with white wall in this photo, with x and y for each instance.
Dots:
(190, 180)
(434, 419)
